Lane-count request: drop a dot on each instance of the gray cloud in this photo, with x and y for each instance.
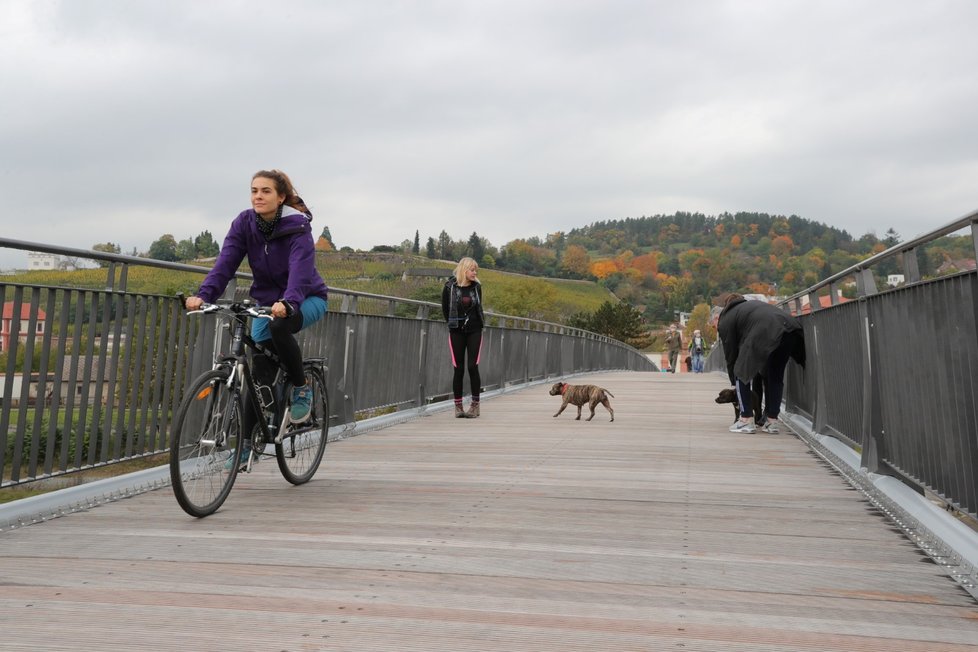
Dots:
(125, 120)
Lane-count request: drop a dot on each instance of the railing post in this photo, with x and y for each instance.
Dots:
(911, 271)
(820, 418)
(422, 365)
(872, 436)
(349, 377)
(865, 283)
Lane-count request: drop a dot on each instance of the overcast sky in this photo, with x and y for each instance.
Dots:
(123, 120)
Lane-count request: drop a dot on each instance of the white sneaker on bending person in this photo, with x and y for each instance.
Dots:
(742, 426)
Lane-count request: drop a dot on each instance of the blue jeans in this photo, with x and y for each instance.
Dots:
(698, 363)
(312, 309)
(281, 332)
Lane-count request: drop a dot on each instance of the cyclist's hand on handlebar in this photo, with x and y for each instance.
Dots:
(279, 310)
(193, 303)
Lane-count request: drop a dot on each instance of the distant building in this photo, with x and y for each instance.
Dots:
(955, 266)
(82, 386)
(824, 301)
(894, 280)
(25, 315)
(37, 260)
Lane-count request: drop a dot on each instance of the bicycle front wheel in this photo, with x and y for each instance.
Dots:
(204, 444)
(301, 450)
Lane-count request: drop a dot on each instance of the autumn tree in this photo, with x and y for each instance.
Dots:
(782, 245)
(699, 319)
(575, 261)
(527, 256)
(325, 241)
(602, 269)
(646, 263)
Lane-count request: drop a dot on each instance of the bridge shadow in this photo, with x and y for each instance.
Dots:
(514, 531)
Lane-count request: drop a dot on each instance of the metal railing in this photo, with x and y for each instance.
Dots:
(892, 374)
(94, 376)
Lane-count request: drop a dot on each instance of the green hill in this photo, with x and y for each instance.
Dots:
(375, 273)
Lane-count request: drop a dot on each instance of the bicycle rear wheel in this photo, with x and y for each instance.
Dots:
(204, 444)
(301, 450)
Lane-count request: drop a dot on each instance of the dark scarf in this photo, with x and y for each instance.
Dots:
(268, 227)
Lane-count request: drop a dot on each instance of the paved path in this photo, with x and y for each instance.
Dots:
(515, 532)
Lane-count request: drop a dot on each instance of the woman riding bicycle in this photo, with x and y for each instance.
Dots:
(276, 236)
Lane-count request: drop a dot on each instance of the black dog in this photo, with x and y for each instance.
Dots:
(756, 396)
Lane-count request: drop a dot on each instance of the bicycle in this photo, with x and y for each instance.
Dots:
(207, 445)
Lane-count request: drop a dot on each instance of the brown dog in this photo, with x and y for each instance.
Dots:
(579, 395)
(756, 396)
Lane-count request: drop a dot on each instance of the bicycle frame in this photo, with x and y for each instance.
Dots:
(237, 360)
(240, 343)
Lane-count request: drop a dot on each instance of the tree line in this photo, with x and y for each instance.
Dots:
(658, 264)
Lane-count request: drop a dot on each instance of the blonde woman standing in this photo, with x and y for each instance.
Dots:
(461, 303)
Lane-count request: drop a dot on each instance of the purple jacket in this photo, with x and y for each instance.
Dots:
(283, 266)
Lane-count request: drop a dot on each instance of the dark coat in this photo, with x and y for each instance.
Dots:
(451, 295)
(751, 331)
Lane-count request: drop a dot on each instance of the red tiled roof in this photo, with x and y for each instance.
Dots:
(824, 301)
(25, 311)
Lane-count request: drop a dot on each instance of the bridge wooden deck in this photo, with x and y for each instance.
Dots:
(515, 532)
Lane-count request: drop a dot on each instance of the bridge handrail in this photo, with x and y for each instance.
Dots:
(906, 250)
(104, 389)
(891, 374)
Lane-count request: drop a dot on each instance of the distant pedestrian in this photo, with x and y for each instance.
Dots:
(461, 303)
(674, 344)
(758, 338)
(697, 351)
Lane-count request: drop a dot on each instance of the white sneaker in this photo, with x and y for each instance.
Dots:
(770, 426)
(743, 426)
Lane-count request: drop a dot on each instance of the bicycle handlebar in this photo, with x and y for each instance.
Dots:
(259, 312)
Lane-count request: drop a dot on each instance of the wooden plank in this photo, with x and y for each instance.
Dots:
(515, 531)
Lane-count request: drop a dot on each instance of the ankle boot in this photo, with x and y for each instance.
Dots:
(473, 412)
(459, 411)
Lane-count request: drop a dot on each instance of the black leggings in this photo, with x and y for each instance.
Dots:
(283, 344)
(466, 349)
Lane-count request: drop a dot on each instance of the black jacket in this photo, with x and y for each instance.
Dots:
(450, 298)
(751, 331)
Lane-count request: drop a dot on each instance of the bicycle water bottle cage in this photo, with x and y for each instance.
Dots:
(266, 396)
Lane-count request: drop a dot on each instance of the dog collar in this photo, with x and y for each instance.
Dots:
(563, 388)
